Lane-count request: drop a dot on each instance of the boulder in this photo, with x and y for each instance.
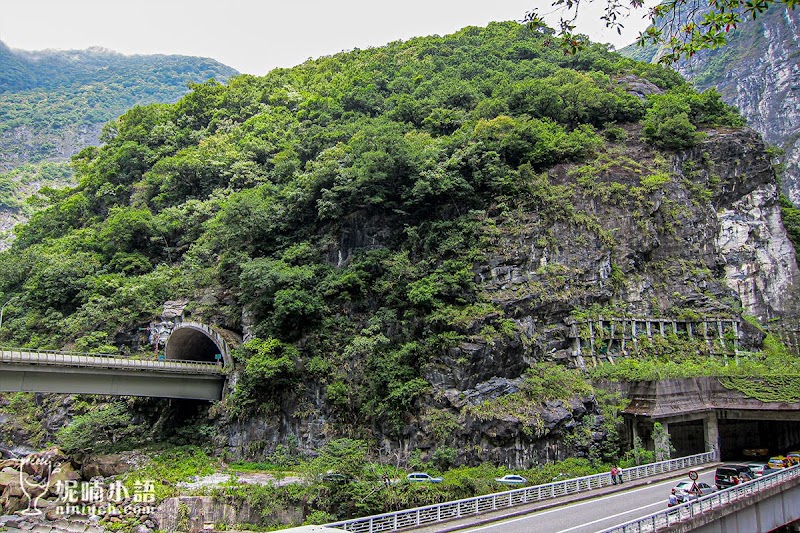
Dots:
(105, 465)
(60, 474)
(174, 309)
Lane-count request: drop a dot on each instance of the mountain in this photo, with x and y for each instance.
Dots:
(54, 103)
(414, 240)
(758, 72)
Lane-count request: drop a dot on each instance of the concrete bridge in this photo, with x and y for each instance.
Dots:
(194, 366)
(763, 509)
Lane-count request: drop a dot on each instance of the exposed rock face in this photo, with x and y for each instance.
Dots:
(708, 240)
(759, 258)
(21, 144)
(759, 74)
(718, 216)
(190, 513)
(108, 465)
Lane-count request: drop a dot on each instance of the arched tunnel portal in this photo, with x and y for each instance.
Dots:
(192, 341)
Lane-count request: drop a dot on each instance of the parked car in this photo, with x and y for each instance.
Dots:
(424, 477)
(794, 457)
(759, 469)
(731, 474)
(691, 490)
(779, 461)
(511, 479)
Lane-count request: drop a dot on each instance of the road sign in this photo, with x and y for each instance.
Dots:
(693, 475)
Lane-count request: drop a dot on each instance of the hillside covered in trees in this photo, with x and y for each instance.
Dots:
(403, 234)
(54, 103)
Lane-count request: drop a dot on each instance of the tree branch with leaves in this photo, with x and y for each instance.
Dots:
(680, 27)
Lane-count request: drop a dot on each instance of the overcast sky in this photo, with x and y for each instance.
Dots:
(255, 36)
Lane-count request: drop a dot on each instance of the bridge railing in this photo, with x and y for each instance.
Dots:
(78, 359)
(442, 512)
(686, 511)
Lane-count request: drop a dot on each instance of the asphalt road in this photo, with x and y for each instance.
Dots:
(594, 515)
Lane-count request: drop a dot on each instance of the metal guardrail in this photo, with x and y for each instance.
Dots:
(688, 510)
(442, 512)
(115, 362)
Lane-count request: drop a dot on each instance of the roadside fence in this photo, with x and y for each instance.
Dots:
(432, 514)
(688, 510)
(77, 359)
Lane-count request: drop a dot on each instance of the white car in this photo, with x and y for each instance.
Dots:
(758, 468)
(511, 479)
(691, 490)
(422, 476)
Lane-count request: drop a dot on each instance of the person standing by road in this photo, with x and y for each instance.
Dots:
(619, 474)
(614, 475)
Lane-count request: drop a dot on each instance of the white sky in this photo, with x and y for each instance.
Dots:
(255, 36)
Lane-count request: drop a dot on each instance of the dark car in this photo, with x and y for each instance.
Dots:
(728, 475)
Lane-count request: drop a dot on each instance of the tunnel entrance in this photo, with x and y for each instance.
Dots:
(741, 440)
(190, 344)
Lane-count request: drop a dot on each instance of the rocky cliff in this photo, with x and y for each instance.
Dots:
(415, 242)
(758, 72)
(706, 242)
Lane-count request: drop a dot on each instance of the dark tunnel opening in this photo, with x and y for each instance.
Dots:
(187, 344)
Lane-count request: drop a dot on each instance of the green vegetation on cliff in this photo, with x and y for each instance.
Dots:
(343, 204)
(54, 103)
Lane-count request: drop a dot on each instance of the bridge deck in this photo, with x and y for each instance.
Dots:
(76, 373)
(66, 359)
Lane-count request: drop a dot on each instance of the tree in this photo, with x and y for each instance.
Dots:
(98, 429)
(662, 442)
(682, 27)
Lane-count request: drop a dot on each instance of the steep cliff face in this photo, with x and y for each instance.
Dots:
(651, 234)
(23, 144)
(758, 72)
(414, 256)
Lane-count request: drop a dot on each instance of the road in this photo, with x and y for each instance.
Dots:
(66, 359)
(597, 514)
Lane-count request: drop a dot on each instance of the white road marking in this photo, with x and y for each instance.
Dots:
(587, 502)
(659, 504)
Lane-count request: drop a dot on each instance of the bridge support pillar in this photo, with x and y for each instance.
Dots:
(711, 434)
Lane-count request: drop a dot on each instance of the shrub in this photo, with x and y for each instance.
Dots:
(667, 123)
(99, 429)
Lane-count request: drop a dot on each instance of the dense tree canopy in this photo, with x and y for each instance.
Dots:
(340, 204)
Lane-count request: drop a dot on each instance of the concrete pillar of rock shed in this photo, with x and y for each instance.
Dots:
(711, 434)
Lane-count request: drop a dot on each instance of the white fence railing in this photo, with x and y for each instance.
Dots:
(76, 359)
(442, 512)
(688, 510)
